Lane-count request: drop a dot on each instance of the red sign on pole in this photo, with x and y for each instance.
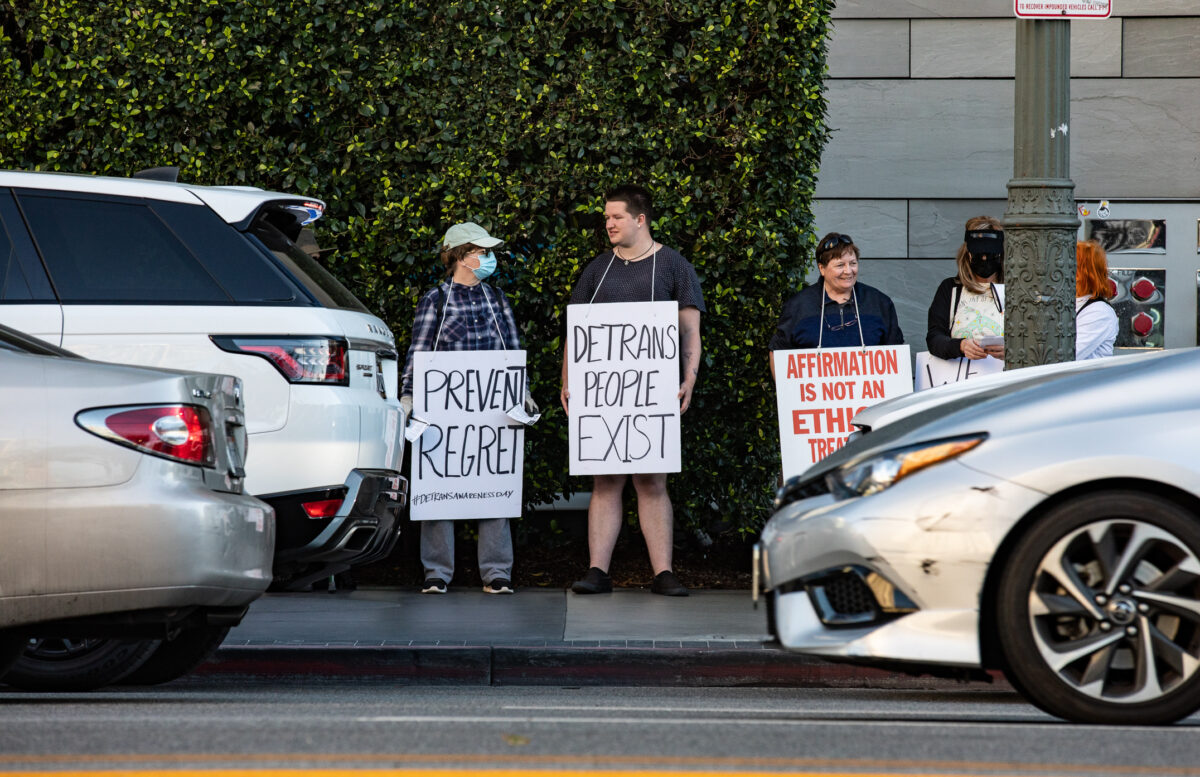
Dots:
(1062, 9)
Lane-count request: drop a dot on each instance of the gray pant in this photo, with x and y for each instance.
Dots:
(495, 549)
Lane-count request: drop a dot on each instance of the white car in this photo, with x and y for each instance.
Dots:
(127, 545)
(209, 278)
(1045, 522)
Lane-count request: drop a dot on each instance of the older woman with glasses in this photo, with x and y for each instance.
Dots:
(838, 312)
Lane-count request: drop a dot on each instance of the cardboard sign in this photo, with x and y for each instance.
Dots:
(934, 371)
(469, 461)
(623, 377)
(819, 391)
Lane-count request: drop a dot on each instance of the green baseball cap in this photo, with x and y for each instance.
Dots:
(469, 232)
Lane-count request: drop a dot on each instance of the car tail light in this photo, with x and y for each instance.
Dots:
(176, 432)
(325, 508)
(299, 359)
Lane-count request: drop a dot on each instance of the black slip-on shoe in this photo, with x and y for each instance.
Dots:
(595, 581)
(666, 584)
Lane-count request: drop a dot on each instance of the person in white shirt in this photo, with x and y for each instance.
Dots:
(1095, 319)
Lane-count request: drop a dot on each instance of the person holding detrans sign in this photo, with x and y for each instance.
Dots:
(464, 314)
(966, 317)
(637, 269)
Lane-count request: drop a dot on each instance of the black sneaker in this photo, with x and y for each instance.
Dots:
(595, 581)
(434, 585)
(666, 584)
(499, 586)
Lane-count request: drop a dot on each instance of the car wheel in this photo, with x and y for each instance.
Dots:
(1098, 614)
(76, 664)
(176, 657)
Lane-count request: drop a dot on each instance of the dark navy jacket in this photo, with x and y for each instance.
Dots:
(799, 325)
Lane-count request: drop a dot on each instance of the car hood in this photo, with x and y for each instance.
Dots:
(893, 410)
(1015, 401)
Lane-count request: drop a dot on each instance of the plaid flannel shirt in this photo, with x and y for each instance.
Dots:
(469, 324)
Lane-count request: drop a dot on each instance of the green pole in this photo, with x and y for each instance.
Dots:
(1040, 222)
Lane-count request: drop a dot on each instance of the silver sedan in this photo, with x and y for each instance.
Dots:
(1044, 522)
(125, 538)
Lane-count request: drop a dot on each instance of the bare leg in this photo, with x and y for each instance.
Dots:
(654, 515)
(604, 519)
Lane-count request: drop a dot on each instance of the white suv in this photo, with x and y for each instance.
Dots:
(209, 278)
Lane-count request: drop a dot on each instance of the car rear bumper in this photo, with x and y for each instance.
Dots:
(364, 529)
(329, 431)
(160, 540)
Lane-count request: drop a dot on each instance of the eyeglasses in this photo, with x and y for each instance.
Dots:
(833, 241)
(839, 327)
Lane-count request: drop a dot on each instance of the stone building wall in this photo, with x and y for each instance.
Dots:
(920, 107)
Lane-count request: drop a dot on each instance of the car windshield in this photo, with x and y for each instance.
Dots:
(318, 281)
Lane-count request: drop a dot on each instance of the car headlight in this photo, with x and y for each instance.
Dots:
(870, 476)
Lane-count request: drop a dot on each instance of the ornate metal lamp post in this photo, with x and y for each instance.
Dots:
(1040, 223)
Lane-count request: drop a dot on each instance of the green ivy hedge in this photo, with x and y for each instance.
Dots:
(406, 116)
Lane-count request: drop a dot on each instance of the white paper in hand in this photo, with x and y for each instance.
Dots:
(416, 427)
(518, 414)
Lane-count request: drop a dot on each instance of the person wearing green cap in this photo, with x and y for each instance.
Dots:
(463, 313)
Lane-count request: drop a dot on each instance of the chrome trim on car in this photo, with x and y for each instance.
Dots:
(372, 346)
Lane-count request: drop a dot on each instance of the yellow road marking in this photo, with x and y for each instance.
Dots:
(503, 765)
(435, 772)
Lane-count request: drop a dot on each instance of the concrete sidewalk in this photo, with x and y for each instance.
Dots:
(537, 637)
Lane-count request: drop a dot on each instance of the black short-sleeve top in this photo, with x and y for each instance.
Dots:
(609, 279)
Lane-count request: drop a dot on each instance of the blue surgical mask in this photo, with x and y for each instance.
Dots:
(487, 265)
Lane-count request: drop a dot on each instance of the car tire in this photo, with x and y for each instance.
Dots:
(772, 627)
(176, 657)
(1098, 612)
(77, 664)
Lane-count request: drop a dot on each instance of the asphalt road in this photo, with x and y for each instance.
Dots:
(331, 728)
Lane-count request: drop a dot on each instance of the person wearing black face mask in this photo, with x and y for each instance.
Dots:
(970, 305)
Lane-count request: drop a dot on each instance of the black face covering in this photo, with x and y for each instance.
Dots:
(984, 241)
(986, 266)
(987, 251)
